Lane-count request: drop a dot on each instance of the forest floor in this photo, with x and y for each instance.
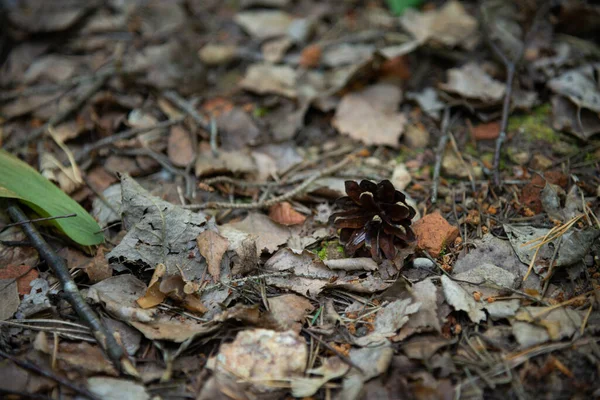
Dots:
(312, 199)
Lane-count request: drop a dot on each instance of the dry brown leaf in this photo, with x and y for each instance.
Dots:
(311, 56)
(180, 149)
(153, 295)
(212, 246)
(194, 304)
(98, 269)
(371, 115)
(285, 214)
(472, 82)
(289, 310)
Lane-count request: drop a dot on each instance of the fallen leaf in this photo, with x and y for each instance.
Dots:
(98, 269)
(307, 274)
(450, 25)
(23, 274)
(388, 321)
(284, 214)
(158, 232)
(370, 115)
(212, 246)
(115, 389)
(118, 295)
(259, 356)
(268, 234)
(458, 298)
(180, 149)
(289, 310)
(472, 82)
(153, 295)
(264, 24)
(268, 78)
(10, 298)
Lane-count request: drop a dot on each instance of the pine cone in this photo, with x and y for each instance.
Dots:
(375, 216)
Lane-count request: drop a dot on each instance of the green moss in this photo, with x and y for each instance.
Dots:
(322, 253)
(260, 112)
(330, 250)
(471, 149)
(535, 125)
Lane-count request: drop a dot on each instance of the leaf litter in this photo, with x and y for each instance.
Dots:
(210, 141)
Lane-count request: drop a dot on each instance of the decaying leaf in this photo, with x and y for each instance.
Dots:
(289, 310)
(307, 274)
(472, 82)
(450, 25)
(458, 298)
(331, 368)
(268, 234)
(371, 115)
(119, 294)
(284, 214)
(267, 79)
(258, 358)
(158, 233)
(264, 24)
(10, 298)
(389, 320)
(212, 246)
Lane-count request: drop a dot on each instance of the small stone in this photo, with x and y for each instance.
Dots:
(433, 233)
(541, 162)
(423, 263)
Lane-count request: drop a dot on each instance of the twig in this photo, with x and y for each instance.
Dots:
(439, 154)
(87, 149)
(39, 220)
(190, 180)
(342, 357)
(214, 133)
(511, 66)
(186, 107)
(106, 340)
(61, 116)
(41, 89)
(27, 365)
(275, 200)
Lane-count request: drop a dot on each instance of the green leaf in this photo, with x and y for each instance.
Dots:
(399, 6)
(19, 181)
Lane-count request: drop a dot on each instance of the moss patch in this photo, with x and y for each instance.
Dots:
(535, 125)
(330, 250)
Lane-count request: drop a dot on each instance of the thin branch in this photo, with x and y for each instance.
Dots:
(27, 365)
(511, 67)
(61, 116)
(104, 338)
(342, 357)
(87, 149)
(439, 154)
(39, 220)
(186, 107)
(275, 200)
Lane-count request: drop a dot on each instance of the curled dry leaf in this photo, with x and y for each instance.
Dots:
(370, 115)
(285, 214)
(212, 246)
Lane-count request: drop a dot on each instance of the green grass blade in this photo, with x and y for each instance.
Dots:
(19, 181)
